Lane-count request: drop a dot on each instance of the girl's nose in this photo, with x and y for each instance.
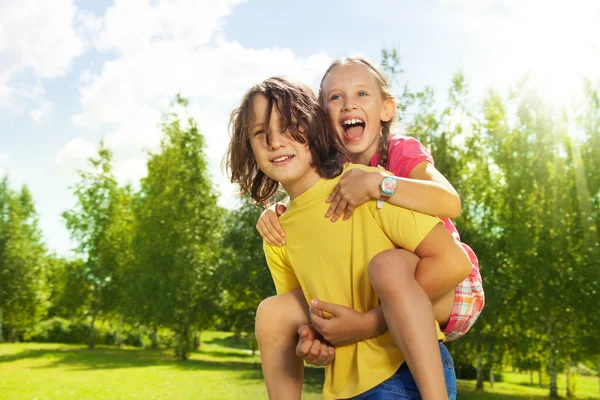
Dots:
(349, 105)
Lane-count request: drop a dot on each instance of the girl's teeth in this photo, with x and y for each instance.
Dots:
(352, 122)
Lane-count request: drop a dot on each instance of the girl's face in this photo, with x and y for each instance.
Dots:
(355, 108)
(284, 159)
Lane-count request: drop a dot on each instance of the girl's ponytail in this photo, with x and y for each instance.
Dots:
(385, 143)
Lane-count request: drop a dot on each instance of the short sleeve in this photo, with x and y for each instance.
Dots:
(404, 154)
(405, 228)
(283, 274)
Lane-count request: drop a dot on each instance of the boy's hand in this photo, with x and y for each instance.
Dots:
(355, 188)
(312, 349)
(345, 326)
(269, 227)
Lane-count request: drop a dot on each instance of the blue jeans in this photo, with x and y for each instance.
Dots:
(402, 385)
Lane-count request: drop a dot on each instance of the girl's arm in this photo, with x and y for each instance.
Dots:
(426, 190)
(269, 227)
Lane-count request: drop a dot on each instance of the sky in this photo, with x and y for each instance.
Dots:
(75, 72)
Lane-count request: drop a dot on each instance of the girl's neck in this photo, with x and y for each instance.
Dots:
(365, 157)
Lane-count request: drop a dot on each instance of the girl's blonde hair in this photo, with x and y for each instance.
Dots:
(386, 93)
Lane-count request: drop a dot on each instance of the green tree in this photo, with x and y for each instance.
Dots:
(177, 232)
(89, 224)
(22, 261)
(244, 275)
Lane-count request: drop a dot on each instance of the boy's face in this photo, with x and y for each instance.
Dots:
(283, 159)
(355, 109)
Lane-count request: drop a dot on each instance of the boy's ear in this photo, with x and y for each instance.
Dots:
(387, 112)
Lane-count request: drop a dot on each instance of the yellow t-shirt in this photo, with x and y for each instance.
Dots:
(329, 261)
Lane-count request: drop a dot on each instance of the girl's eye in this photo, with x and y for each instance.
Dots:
(335, 97)
(362, 94)
(258, 133)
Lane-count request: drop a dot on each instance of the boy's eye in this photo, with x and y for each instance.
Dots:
(335, 97)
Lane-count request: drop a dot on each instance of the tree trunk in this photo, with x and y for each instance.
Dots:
(119, 338)
(1, 337)
(183, 349)
(479, 385)
(541, 384)
(91, 337)
(568, 372)
(552, 364)
(13, 337)
(94, 316)
(491, 364)
(154, 336)
(531, 377)
(196, 339)
(598, 368)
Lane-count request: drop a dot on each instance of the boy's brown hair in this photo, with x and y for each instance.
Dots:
(300, 112)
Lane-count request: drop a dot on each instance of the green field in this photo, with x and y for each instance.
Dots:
(221, 370)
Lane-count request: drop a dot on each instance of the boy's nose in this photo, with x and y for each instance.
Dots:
(276, 140)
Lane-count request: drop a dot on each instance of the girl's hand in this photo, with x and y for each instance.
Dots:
(355, 188)
(312, 348)
(345, 326)
(269, 227)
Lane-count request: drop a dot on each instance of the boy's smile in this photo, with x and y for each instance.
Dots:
(283, 159)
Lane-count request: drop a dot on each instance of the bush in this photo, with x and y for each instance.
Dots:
(58, 330)
(468, 371)
(130, 336)
(61, 330)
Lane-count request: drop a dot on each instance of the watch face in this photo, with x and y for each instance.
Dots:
(388, 186)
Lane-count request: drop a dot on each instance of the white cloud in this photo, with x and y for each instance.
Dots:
(76, 153)
(40, 113)
(85, 76)
(4, 157)
(131, 25)
(168, 48)
(35, 38)
(131, 170)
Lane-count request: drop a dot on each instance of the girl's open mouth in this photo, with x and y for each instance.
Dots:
(354, 129)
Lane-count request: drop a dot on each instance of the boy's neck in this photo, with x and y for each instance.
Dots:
(301, 185)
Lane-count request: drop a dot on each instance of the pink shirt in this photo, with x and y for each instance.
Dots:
(405, 153)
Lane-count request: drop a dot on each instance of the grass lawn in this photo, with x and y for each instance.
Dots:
(221, 370)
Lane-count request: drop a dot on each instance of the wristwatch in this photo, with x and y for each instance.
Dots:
(387, 187)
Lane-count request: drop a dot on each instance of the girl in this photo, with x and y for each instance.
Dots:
(353, 92)
(281, 135)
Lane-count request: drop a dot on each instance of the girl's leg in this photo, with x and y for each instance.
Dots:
(277, 321)
(410, 318)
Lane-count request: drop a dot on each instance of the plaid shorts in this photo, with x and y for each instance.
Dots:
(468, 303)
